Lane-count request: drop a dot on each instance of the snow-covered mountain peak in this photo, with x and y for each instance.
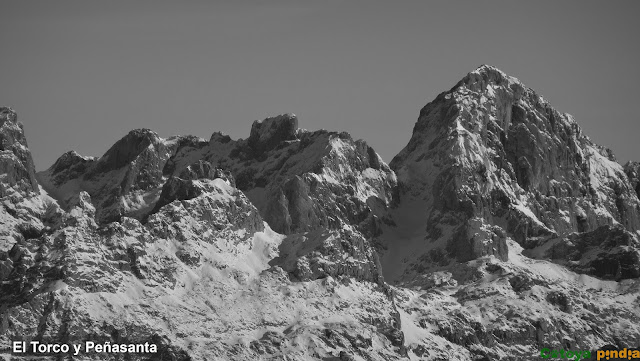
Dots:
(490, 160)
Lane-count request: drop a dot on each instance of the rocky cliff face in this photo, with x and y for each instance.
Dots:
(506, 230)
(16, 164)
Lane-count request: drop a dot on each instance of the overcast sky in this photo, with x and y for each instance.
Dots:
(81, 74)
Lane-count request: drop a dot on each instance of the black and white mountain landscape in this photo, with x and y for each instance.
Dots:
(499, 230)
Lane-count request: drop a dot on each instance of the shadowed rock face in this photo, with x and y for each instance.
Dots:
(127, 149)
(632, 169)
(267, 133)
(70, 165)
(491, 159)
(16, 163)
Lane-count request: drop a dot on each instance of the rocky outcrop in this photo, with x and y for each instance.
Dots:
(324, 253)
(192, 182)
(219, 211)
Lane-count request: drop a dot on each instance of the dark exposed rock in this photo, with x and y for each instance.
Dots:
(126, 150)
(463, 330)
(345, 356)
(187, 185)
(199, 170)
(187, 144)
(269, 343)
(523, 282)
(561, 300)
(267, 133)
(70, 165)
(609, 252)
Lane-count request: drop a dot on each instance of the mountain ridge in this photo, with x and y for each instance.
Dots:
(498, 219)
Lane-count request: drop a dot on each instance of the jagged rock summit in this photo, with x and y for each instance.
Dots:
(267, 133)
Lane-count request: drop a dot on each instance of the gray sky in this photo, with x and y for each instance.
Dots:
(81, 74)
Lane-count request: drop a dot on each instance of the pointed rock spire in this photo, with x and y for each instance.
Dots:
(16, 163)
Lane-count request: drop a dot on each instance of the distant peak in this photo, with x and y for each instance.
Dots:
(277, 119)
(143, 133)
(67, 160)
(268, 132)
(128, 148)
